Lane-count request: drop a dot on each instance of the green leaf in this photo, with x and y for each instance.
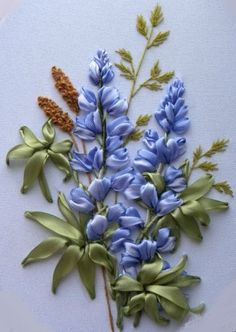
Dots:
(127, 284)
(62, 163)
(143, 120)
(135, 135)
(156, 16)
(220, 145)
(160, 38)
(54, 224)
(62, 147)
(87, 272)
(168, 221)
(197, 154)
(207, 166)
(170, 274)
(44, 186)
(30, 139)
(151, 309)
(166, 77)
(184, 281)
(44, 250)
(141, 26)
(195, 209)
(155, 71)
(188, 225)
(135, 304)
(224, 187)
(174, 310)
(210, 204)
(154, 86)
(157, 179)
(126, 71)
(185, 167)
(21, 151)
(33, 168)
(99, 255)
(125, 55)
(198, 309)
(198, 189)
(66, 264)
(48, 131)
(149, 271)
(66, 210)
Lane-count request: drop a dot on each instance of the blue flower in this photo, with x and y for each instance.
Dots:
(86, 163)
(131, 219)
(149, 139)
(81, 201)
(165, 243)
(149, 196)
(119, 238)
(100, 68)
(168, 202)
(120, 126)
(96, 227)
(146, 161)
(87, 100)
(113, 143)
(111, 101)
(118, 159)
(115, 212)
(99, 188)
(172, 113)
(133, 190)
(121, 180)
(174, 179)
(88, 127)
(169, 151)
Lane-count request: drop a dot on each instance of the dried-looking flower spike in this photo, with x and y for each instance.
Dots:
(66, 89)
(54, 112)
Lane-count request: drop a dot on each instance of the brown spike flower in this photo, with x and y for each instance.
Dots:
(66, 89)
(54, 112)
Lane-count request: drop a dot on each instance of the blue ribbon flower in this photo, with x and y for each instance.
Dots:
(165, 243)
(81, 201)
(99, 188)
(96, 227)
(119, 238)
(169, 151)
(168, 202)
(172, 115)
(120, 126)
(87, 163)
(100, 68)
(131, 219)
(174, 179)
(88, 127)
(133, 190)
(87, 100)
(111, 101)
(118, 159)
(121, 180)
(149, 196)
(146, 161)
(115, 212)
(113, 143)
(149, 139)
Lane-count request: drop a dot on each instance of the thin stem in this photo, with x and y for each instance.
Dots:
(147, 228)
(133, 87)
(108, 300)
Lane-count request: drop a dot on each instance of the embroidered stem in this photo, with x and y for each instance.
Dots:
(111, 321)
(147, 228)
(133, 90)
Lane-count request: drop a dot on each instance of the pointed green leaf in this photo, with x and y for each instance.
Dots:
(66, 210)
(21, 151)
(156, 16)
(210, 204)
(44, 250)
(30, 139)
(33, 168)
(198, 189)
(166, 77)
(194, 209)
(44, 186)
(62, 147)
(151, 309)
(170, 222)
(198, 309)
(160, 38)
(149, 271)
(135, 304)
(54, 224)
(99, 255)
(66, 264)
(184, 281)
(155, 71)
(154, 86)
(61, 162)
(127, 284)
(87, 272)
(174, 310)
(141, 26)
(48, 131)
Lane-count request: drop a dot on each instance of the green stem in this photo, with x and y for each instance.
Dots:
(133, 92)
(147, 228)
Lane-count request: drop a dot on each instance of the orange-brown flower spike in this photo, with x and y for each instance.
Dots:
(66, 89)
(54, 112)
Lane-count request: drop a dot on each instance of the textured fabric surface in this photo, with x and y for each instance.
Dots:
(201, 49)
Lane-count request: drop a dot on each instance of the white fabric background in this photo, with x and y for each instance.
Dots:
(202, 51)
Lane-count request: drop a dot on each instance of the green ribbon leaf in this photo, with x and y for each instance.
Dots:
(188, 225)
(198, 309)
(210, 204)
(61, 162)
(195, 209)
(66, 210)
(66, 264)
(33, 168)
(151, 309)
(30, 139)
(135, 304)
(54, 224)
(170, 222)
(174, 310)
(44, 186)
(170, 274)
(21, 151)
(44, 250)
(62, 147)
(157, 179)
(149, 271)
(99, 255)
(87, 272)
(127, 284)
(48, 132)
(184, 281)
(198, 189)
